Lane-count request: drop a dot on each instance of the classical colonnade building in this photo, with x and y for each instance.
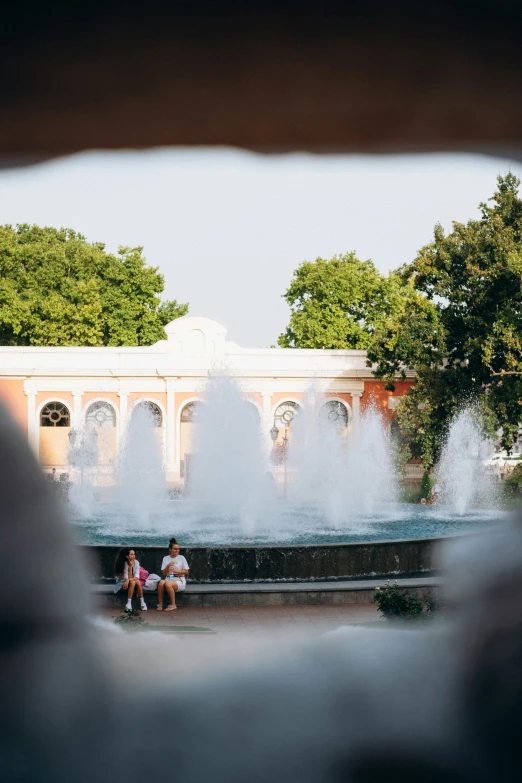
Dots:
(53, 390)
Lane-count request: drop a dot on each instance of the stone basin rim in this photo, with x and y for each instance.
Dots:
(388, 542)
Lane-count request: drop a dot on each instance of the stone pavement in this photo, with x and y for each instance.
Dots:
(237, 619)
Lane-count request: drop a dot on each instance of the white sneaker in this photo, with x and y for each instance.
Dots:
(143, 606)
(128, 606)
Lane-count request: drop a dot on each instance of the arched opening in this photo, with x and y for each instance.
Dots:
(146, 419)
(281, 433)
(100, 417)
(334, 414)
(55, 414)
(55, 426)
(189, 421)
(285, 414)
(153, 411)
(100, 414)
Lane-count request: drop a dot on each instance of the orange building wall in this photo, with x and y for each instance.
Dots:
(375, 392)
(49, 396)
(256, 397)
(278, 397)
(12, 395)
(346, 396)
(54, 443)
(54, 446)
(182, 397)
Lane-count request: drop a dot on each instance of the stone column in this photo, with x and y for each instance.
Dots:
(356, 398)
(170, 432)
(124, 401)
(33, 425)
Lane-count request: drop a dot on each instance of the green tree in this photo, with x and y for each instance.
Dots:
(513, 483)
(463, 331)
(335, 303)
(58, 289)
(426, 486)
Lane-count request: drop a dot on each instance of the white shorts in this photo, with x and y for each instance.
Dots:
(181, 585)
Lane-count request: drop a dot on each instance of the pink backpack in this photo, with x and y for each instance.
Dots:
(143, 575)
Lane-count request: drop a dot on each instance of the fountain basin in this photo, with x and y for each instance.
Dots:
(234, 564)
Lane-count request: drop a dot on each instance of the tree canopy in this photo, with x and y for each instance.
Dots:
(335, 303)
(462, 333)
(454, 315)
(58, 289)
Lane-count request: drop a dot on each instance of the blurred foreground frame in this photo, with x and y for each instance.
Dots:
(274, 76)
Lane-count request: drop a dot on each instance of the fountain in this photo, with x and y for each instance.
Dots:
(228, 478)
(336, 483)
(83, 458)
(141, 488)
(347, 477)
(462, 481)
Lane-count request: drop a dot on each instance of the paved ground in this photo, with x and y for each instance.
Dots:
(237, 619)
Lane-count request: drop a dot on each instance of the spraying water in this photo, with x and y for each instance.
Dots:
(228, 473)
(141, 488)
(333, 480)
(83, 459)
(332, 477)
(346, 474)
(371, 480)
(317, 460)
(462, 479)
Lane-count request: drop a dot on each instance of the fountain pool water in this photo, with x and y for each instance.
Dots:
(294, 524)
(341, 488)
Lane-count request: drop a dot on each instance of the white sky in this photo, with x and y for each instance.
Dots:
(227, 228)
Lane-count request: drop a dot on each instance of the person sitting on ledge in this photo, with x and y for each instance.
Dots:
(175, 570)
(127, 574)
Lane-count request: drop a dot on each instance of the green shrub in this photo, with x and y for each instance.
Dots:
(397, 604)
(434, 605)
(513, 482)
(426, 485)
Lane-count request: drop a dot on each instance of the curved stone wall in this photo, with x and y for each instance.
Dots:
(283, 563)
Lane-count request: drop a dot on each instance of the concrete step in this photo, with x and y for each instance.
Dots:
(275, 593)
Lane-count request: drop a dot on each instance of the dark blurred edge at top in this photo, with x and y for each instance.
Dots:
(323, 76)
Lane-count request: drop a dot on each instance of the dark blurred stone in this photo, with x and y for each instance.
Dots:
(368, 77)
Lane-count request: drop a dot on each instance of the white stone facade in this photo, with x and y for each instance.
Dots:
(171, 374)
